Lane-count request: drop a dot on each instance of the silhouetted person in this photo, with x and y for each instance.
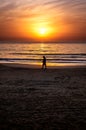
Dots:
(44, 63)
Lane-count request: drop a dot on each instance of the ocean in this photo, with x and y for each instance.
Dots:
(57, 54)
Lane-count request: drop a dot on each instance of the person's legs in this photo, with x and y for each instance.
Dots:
(42, 66)
(45, 66)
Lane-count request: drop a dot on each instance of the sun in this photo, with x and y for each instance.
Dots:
(42, 31)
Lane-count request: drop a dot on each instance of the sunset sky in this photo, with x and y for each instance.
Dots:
(48, 20)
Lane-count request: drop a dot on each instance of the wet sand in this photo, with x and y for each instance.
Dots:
(36, 99)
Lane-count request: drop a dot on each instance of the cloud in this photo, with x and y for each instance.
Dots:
(30, 8)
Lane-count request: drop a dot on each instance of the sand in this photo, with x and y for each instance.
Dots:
(36, 99)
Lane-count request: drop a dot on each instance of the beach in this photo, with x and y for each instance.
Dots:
(36, 99)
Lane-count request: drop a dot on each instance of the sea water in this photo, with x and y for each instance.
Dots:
(57, 54)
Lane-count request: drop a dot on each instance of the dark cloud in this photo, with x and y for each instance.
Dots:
(8, 7)
(67, 5)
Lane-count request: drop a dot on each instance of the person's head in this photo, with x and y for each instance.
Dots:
(43, 56)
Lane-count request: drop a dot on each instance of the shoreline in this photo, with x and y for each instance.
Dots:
(34, 66)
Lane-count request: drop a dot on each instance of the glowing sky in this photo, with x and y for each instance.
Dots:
(63, 20)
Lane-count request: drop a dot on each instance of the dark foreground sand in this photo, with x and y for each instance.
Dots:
(34, 99)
